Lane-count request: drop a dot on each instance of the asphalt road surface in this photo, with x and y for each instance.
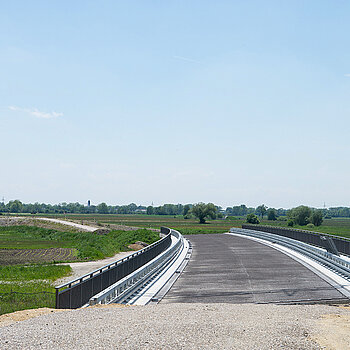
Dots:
(229, 269)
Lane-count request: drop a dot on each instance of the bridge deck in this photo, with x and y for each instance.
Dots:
(229, 269)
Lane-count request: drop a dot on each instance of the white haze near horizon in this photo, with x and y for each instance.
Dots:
(175, 102)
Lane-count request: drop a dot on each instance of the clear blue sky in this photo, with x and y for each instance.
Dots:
(175, 101)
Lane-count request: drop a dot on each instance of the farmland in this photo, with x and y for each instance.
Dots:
(24, 256)
(78, 245)
(185, 226)
(335, 226)
(28, 254)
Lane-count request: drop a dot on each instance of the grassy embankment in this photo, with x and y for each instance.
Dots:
(28, 285)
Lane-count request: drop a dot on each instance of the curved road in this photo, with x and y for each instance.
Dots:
(229, 269)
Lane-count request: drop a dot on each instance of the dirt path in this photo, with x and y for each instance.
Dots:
(82, 268)
(68, 223)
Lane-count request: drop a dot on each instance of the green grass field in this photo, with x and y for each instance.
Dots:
(88, 245)
(28, 237)
(33, 272)
(29, 286)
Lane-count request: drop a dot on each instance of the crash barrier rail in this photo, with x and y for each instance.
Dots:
(333, 262)
(125, 288)
(76, 293)
(314, 238)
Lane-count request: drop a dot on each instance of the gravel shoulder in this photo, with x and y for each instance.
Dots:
(181, 326)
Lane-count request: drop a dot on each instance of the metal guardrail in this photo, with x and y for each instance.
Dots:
(76, 293)
(333, 262)
(315, 238)
(129, 285)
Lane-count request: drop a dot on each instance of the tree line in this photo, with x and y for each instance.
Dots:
(301, 215)
(261, 211)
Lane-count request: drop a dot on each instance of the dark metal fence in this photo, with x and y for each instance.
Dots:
(78, 292)
(313, 238)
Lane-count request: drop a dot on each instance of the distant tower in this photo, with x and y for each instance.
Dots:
(89, 203)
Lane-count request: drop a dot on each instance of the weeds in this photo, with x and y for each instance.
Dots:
(88, 245)
(29, 286)
(33, 272)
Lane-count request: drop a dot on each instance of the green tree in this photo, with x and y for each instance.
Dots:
(150, 210)
(317, 217)
(15, 206)
(300, 215)
(187, 208)
(204, 211)
(271, 214)
(261, 210)
(252, 219)
(102, 208)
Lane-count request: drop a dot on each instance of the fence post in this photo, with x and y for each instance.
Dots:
(57, 300)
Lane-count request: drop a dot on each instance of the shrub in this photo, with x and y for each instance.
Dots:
(317, 217)
(271, 214)
(290, 223)
(300, 215)
(252, 219)
(310, 225)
